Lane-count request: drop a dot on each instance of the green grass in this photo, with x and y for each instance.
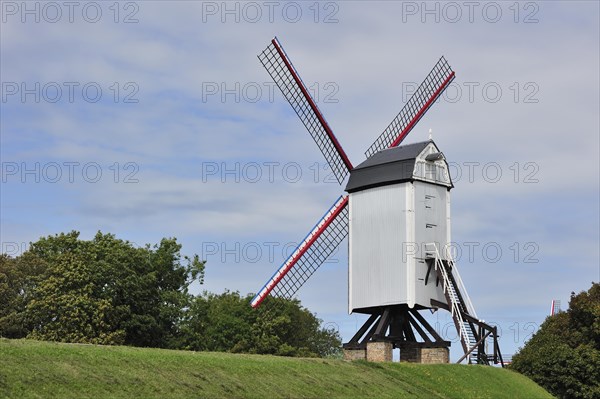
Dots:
(33, 369)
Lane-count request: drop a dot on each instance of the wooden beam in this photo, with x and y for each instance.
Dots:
(408, 332)
(427, 326)
(429, 267)
(383, 323)
(367, 337)
(474, 346)
(417, 327)
(364, 328)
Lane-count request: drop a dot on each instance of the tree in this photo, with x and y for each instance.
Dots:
(103, 291)
(227, 322)
(563, 356)
(17, 281)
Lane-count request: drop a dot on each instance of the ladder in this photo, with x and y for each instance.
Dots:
(472, 332)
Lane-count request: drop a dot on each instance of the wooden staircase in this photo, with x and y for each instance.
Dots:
(474, 334)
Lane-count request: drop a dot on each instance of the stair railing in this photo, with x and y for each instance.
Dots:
(461, 287)
(450, 293)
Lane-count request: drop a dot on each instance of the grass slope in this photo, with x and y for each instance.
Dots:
(33, 369)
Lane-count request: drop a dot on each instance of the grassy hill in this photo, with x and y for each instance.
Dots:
(32, 369)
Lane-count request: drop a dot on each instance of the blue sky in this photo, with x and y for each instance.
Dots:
(155, 119)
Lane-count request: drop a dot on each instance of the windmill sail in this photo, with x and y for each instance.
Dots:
(417, 105)
(279, 66)
(312, 252)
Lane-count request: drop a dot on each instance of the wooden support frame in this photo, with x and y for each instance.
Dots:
(402, 326)
(480, 333)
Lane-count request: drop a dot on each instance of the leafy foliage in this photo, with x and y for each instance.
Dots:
(564, 355)
(102, 291)
(226, 322)
(18, 278)
(107, 291)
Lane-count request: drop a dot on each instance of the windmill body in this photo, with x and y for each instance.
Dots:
(397, 217)
(399, 202)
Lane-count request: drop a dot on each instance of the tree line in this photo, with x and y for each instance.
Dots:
(108, 291)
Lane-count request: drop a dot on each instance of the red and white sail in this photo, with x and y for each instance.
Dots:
(281, 69)
(316, 247)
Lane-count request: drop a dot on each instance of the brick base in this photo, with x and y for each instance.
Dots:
(425, 355)
(410, 355)
(355, 354)
(435, 355)
(379, 351)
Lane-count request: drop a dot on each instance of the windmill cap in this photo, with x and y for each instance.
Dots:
(395, 165)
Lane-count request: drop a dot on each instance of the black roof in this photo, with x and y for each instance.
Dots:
(394, 165)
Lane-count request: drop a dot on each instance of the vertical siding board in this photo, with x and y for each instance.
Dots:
(379, 277)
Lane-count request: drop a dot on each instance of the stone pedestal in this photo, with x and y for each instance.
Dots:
(425, 355)
(355, 354)
(435, 355)
(379, 351)
(410, 355)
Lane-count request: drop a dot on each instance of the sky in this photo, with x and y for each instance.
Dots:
(152, 119)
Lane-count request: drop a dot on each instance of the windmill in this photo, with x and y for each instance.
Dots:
(397, 217)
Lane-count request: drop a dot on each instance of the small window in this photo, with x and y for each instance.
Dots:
(435, 156)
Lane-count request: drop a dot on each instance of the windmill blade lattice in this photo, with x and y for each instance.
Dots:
(312, 252)
(279, 66)
(417, 105)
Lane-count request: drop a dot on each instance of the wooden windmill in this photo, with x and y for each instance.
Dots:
(397, 217)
